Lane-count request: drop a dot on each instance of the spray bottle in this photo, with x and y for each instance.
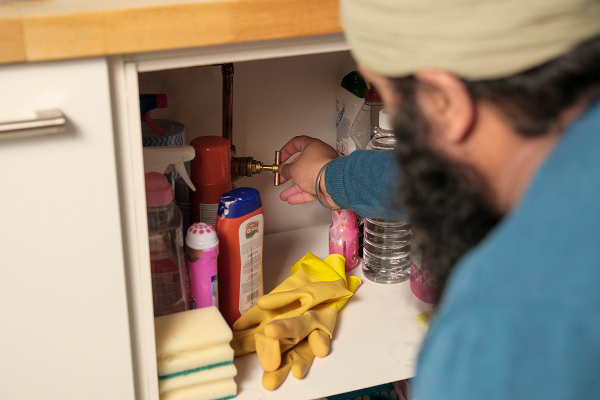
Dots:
(170, 280)
(149, 102)
(170, 275)
(159, 132)
(160, 159)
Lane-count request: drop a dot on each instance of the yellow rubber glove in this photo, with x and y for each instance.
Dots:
(316, 325)
(298, 359)
(312, 282)
(307, 336)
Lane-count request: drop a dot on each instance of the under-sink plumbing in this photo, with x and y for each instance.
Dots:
(241, 166)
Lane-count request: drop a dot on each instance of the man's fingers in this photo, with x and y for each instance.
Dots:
(295, 145)
(292, 190)
(283, 179)
(301, 198)
(285, 172)
(294, 195)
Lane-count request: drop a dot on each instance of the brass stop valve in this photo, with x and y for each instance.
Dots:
(248, 166)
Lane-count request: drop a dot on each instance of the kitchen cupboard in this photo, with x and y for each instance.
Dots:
(87, 183)
(64, 312)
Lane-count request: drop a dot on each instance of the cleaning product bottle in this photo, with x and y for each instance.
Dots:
(211, 173)
(202, 250)
(343, 236)
(366, 123)
(386, 243)
(349, 100)
(159, 132)
(183, 199)
(240, 228)
(160, 159)
(423, 284)
(149, 102)
(167, 264)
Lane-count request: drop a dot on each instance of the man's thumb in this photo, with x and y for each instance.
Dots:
(286, 171)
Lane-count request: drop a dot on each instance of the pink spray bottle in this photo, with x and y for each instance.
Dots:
(343, 236)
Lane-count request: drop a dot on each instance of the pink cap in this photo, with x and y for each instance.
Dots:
(158, 190)
(201, 236)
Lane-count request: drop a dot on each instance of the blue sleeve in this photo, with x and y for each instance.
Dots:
(508, 352)
(366, 181)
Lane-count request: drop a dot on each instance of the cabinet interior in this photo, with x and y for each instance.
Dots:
(273, 101)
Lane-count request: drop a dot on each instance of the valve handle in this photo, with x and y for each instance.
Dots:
(276, 165)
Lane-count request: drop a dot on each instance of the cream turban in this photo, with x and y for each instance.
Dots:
(475, 39)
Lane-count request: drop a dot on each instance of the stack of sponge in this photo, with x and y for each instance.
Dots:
(194, 358)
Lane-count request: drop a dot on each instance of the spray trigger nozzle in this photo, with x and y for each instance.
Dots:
(181, 169)
(148, 119)
(158, 159)
(149, 102)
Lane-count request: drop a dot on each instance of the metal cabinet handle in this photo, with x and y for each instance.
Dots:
(46, 122)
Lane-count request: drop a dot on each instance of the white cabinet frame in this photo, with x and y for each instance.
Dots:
(125, 100)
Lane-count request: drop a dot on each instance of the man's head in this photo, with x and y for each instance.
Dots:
(476, 117)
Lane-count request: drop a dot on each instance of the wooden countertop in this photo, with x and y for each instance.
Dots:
(38, 30)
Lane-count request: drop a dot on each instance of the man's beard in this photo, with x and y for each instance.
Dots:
(444, 200)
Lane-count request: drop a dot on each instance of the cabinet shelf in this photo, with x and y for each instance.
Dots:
(376, 338)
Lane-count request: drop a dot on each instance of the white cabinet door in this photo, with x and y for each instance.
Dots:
(64, 330)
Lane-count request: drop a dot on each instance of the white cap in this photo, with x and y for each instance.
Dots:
(201, 236)
(384, 121)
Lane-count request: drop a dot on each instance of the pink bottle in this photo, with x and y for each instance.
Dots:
(201, 255)
(423, 283)
(343, 236)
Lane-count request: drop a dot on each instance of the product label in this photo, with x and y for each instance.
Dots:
(166, 279)
(251, 229)
(251, 253)
(208, 213)
(203, 276)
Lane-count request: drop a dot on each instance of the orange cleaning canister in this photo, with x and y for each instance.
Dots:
(211, 174)
(240, 228)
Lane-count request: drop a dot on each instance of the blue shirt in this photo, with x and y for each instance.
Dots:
(520, 317)
(366, 182)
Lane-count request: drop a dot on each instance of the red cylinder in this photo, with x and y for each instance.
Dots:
(211, 174)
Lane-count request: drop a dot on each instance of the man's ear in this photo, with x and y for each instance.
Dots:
(445, 100)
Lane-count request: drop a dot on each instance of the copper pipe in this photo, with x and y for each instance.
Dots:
(227, 70)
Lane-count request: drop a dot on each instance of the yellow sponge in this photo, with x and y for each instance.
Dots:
(191, 339)
(223, 389)
(197, 378)
(193, 359)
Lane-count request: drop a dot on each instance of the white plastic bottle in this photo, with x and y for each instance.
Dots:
(366, 123)
(386, 243)
(350, 97)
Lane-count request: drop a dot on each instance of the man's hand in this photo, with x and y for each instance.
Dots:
(303, 170)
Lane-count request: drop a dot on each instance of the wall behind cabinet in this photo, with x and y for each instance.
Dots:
(274, 100)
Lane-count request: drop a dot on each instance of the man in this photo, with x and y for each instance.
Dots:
(498, 163)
